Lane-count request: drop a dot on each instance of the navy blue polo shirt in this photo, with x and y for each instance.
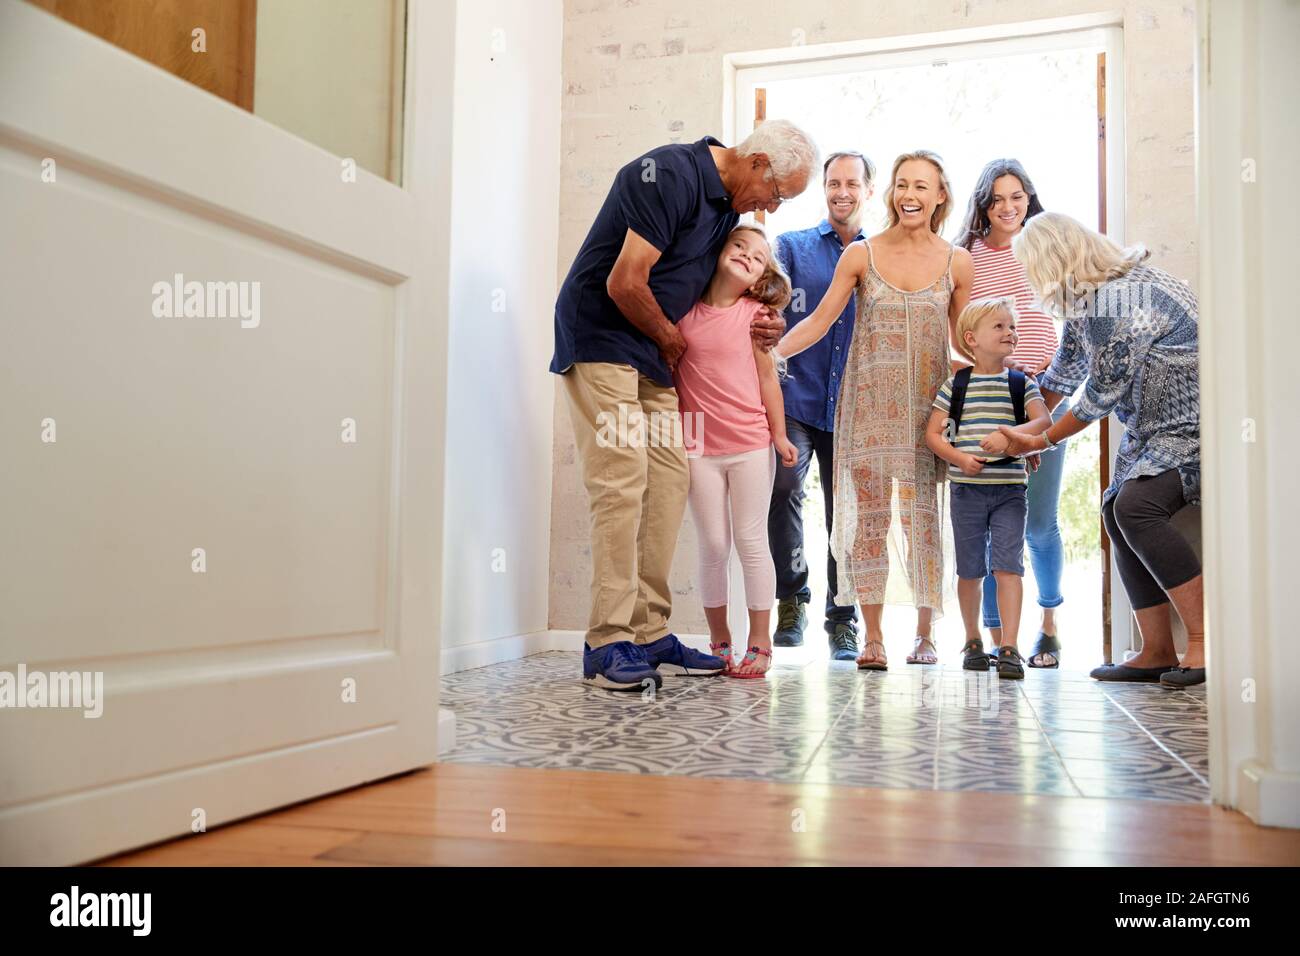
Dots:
(673, 198)
(812, 390)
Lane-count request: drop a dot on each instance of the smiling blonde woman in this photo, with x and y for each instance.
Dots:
(887, 535)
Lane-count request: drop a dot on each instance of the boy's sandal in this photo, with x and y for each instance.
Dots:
(1046, 644)
(871, 661)
(1010, 664)
(974, 657)
(751, 656)
(723, 651)
(918, 657)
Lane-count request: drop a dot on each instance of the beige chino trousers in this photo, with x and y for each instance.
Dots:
(637, 480)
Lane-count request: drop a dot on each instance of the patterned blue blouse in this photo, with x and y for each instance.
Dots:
(1132, 345)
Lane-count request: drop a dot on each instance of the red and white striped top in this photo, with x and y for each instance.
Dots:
(998, 274)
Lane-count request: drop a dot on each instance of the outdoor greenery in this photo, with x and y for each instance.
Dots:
(1080, 511)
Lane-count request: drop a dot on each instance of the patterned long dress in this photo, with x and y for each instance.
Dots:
(887, 481)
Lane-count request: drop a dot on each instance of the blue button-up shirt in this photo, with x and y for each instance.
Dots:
(673, 198)
(812, 389)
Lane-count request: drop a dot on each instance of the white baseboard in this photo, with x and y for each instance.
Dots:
(1271, 798)
(464, 657)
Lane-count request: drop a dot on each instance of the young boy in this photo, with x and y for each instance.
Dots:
(988, 490)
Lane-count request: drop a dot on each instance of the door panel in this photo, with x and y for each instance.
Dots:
(302, 656)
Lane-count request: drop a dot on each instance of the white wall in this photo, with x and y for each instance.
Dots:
(1247, 143)
(504, 227)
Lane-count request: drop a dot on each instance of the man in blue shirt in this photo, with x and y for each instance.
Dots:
(645, 263)
(811, 391)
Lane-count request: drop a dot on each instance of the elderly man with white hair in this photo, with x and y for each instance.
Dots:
(644, 264)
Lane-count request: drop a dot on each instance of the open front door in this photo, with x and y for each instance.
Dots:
(221, 362)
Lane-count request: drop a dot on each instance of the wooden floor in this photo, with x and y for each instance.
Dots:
(456, 815)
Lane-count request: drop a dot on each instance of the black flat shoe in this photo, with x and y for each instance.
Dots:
(1183, 677)
(1046, 644)
(1123, 673)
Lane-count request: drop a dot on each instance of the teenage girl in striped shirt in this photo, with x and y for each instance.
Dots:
(1003, 199)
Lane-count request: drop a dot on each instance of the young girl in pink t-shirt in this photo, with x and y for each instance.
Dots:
(733, 415)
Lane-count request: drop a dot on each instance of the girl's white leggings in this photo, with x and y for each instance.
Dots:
(744, 481)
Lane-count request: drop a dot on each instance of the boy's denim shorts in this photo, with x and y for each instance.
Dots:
(983, 511)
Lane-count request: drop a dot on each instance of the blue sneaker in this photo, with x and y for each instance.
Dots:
(671, 656)
(618, 666)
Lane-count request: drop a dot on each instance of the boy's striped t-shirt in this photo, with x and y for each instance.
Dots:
(987, 405)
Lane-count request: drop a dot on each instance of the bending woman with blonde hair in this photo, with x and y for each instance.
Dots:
(911, 285)
(1131, 342)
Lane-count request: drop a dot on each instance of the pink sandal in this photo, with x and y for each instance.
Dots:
(750, 657)
(723, 651)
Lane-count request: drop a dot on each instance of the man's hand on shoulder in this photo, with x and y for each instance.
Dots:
(767, 328)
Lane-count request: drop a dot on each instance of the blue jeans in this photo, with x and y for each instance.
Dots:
(988, 529)
(1042, 534)
(785, 521)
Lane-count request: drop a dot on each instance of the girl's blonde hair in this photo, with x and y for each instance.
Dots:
(940, 211)
(773, 287)
(977, 311)
(1064, 259)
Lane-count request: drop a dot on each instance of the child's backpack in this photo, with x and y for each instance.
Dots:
(1016, 382)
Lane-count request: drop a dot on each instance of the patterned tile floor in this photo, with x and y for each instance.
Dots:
(927, 728)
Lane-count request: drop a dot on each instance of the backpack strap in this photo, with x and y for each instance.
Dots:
(1016, 380)
(958, 397)
(1016, 383)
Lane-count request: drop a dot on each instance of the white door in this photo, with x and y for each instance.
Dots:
(235, 520)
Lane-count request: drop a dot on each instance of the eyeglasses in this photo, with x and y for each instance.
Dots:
(777, 198)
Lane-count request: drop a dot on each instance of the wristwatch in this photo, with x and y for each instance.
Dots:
(1048, 444)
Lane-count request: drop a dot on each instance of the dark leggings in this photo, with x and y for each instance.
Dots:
(1152, 555)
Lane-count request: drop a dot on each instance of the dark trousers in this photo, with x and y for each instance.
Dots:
(785, 521)
(1151, 554)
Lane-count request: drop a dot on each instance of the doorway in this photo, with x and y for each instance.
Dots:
(813, 721)
(970, 102)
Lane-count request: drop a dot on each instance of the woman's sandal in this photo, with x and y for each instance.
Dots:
(723, 651)
(869, 661)
(917, 657)
(1010, 664)
(974, 657)
(1046, 644)
(751, 656)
